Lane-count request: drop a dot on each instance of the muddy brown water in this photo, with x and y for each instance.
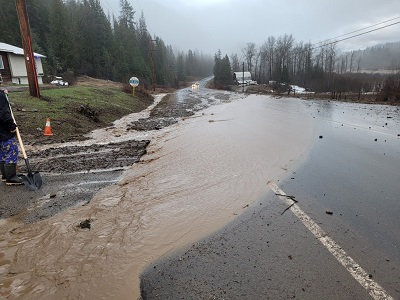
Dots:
(197, 175)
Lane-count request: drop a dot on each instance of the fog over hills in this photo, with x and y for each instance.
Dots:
(209, 25)
(380, 57)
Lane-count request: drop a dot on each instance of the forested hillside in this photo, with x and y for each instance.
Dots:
(319, 67)
(77, 37)
(380, 57)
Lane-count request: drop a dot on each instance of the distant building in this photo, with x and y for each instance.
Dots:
(12, 65)
(238, 77)
(246, 80)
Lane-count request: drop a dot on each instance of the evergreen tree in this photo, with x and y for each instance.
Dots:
(217, 66)
(77, 37)
(95, 40)
(171, 63)
(147, 48)
(180, 67)
(60, 38)
(160, 62)
(222, 70)
(226, 71)
(125, 33)
(10, 32)
(189, 66)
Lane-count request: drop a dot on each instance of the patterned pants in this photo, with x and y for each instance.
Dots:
(9, 151)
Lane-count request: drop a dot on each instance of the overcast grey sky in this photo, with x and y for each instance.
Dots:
(209, 25)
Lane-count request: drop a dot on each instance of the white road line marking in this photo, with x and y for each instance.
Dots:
(374, 289)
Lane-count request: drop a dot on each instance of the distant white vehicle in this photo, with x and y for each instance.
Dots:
(59, 81)
(247, 82)
(300, 90)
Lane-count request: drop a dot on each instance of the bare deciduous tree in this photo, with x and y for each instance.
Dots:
(358, 64)
(235, 62)
(283, 47)
(321, 68)
(351, 61)
(249, 53)
(270, 47)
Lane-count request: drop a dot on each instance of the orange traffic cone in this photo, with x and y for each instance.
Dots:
(47, 128)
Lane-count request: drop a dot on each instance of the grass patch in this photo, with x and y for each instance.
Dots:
(66, 107)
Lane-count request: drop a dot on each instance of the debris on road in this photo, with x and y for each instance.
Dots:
(289, 197)
(86, 224)
(151, 124)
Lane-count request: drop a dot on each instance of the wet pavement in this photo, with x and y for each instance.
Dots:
(261, 255)
(348, 184)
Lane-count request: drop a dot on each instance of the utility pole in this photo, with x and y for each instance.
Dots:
(27, 45)
(243, 79)
(173, 72)
(152, 63)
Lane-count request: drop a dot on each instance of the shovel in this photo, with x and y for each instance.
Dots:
(33, 181)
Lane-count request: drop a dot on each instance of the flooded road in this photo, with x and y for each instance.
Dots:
(198, 175)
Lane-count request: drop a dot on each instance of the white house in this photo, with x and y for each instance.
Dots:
(12, 65)
(239, 79)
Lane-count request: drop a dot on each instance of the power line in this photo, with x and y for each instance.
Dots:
(323, 44)
(138, 2)
(109, 5)
(364, 28)
(353, 36)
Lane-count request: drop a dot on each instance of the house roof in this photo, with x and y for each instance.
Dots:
(240, 74)
(16, 50)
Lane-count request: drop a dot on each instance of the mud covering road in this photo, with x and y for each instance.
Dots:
(80, 235)
(73, 172)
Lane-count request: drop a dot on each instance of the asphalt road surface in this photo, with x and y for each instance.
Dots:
(339, 239)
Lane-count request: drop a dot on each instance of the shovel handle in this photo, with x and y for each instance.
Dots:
(21, 144)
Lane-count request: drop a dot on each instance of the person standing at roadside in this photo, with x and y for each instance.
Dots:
(8, 143)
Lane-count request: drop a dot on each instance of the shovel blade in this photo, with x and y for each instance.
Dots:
(32, 181)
